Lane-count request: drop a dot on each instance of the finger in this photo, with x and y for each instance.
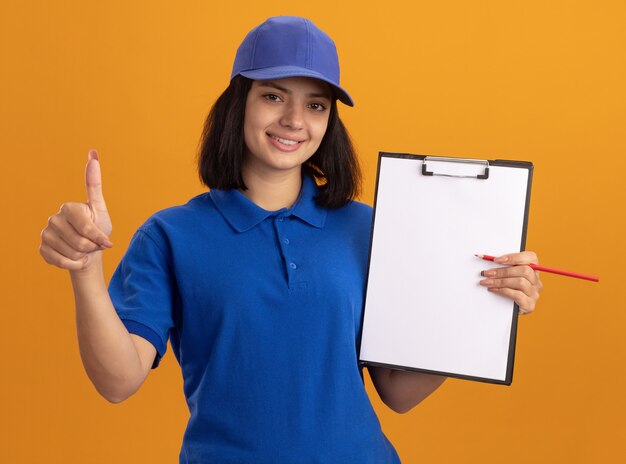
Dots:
(515, 283)
(513, 271)
(53, 257)
(517, 287)
(66, 240)
(78, 216)
(93, 183)
(62, 232)
(52, 240)
(524, 302)
(523, 257)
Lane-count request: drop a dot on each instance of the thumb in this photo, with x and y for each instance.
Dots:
(93, 183)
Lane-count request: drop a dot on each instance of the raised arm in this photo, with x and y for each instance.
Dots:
(116, 362)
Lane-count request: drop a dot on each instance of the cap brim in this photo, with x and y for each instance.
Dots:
(281, 72)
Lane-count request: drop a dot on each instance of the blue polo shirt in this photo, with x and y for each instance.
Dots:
(263, 311)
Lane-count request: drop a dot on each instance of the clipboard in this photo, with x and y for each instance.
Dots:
(424, 309)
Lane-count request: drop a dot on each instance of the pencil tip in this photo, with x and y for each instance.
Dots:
(478, 256)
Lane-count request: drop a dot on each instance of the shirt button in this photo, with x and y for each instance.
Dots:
(286, 241)
(281, 219)
(292, 265)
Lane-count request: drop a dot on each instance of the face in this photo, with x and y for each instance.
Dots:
(285, 121)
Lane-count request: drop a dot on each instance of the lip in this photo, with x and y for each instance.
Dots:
(282, 146)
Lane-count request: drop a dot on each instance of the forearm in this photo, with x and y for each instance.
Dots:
(403, 390)
(107, 350)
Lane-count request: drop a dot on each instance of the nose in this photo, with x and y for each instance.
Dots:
(293, 117)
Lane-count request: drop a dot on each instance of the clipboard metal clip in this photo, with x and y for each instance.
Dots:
(426, 172)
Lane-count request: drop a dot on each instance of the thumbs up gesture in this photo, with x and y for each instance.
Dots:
(79, 230)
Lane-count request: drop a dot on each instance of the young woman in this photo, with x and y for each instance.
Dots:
(258, 283)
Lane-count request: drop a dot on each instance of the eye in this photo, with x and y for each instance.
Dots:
(272, 97)
(317, 106)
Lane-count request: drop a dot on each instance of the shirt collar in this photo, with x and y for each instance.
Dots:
(242, 214)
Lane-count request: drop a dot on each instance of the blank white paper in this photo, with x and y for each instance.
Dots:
(424, 307)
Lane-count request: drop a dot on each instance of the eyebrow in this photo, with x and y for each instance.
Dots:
(274, 85)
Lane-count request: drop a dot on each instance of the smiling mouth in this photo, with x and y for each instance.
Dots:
(285, 141)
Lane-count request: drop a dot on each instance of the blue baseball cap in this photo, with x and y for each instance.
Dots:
(289, 46)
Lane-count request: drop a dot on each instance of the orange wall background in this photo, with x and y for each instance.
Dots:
(536, 80)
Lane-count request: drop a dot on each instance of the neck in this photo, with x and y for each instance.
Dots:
(272, 192)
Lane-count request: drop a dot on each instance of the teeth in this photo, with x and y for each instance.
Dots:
(284, 141)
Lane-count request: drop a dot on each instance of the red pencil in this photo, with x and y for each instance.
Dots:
(537, 267)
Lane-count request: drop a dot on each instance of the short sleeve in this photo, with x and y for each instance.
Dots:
(141, 290)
